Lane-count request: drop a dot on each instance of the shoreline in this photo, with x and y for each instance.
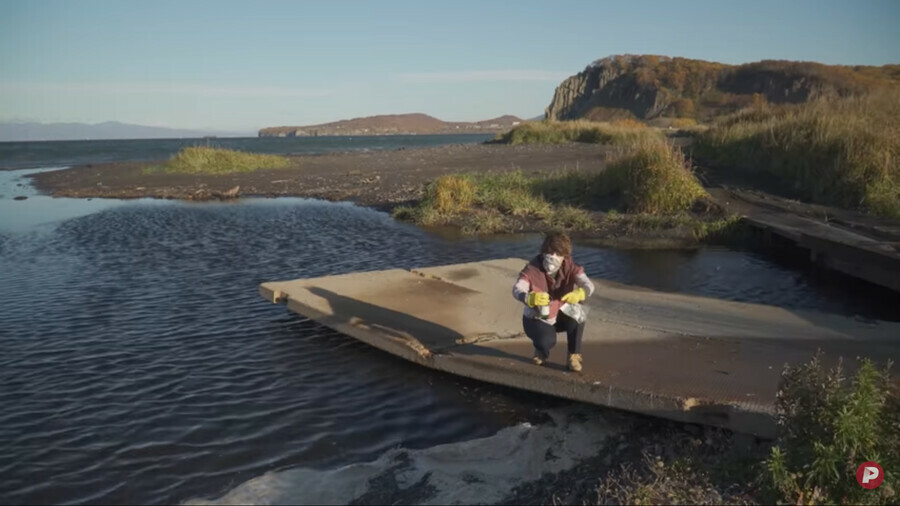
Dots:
(369, 178)
(382, 180)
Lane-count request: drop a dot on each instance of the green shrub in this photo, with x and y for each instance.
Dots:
(827, 429)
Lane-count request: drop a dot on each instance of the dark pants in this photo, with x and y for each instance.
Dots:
(544, 336)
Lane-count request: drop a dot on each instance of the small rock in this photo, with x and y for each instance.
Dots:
(232, 193)
(20, 197)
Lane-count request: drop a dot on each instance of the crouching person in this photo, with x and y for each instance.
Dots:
(548, 281)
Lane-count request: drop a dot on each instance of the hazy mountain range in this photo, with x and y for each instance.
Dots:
(30, 131)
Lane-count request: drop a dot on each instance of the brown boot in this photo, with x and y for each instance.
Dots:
(575, 362)
(538, 358)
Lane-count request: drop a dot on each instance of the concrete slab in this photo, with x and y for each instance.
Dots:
(677, 356)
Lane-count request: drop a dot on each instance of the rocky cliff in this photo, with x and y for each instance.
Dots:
(393, 124)
(647, 86)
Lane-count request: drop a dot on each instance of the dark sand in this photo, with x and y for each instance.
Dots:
(381, 179)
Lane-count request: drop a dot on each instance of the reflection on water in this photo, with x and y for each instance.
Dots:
(37, 210)
(139, 364)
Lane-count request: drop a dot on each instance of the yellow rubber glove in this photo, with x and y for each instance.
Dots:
(575, 296)
(537, 299)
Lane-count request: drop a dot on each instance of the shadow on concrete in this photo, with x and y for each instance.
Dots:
(524, 356)
(353, 312)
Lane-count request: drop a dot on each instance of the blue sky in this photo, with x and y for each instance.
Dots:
(246, 65)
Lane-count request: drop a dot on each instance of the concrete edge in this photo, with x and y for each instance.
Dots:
(735, 417)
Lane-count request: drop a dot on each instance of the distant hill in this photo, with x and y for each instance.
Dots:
(393, 124)
(647, 86)
(10, 131)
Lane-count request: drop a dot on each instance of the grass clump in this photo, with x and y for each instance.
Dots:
(210, 160)
(570, 218)
(843, 152)
(828, 427)
(730, 229)
(511, 193)
(559, 132)
(451, 194)
(483, 221)
(652, 177)
(481, 202)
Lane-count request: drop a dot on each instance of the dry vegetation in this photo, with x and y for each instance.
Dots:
(648, 178)
(620, 132)
(652, 177)
(210, 160)
(843, 152)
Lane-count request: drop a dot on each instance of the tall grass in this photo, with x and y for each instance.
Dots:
(451, 196)
(842, 152)
(652, 177)
(209, 160)
(559, 132)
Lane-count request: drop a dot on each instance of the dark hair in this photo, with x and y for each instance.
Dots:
(558, 243)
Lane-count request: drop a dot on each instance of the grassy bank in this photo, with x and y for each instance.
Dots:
(646, 185)
(622, 132)
(209, 160)
(840, 152)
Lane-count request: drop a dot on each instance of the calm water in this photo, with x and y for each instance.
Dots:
(139, 365)
(21, 155)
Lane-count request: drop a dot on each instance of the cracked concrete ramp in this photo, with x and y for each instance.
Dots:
(682, 357)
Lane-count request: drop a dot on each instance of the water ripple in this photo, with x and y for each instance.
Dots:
(139, 364)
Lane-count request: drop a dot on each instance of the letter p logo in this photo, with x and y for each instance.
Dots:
(869, 475)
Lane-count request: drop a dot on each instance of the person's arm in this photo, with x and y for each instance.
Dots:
(583, 288)
(583, 281)
(521, 288)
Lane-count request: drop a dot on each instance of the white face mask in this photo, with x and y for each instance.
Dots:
(552, 263)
